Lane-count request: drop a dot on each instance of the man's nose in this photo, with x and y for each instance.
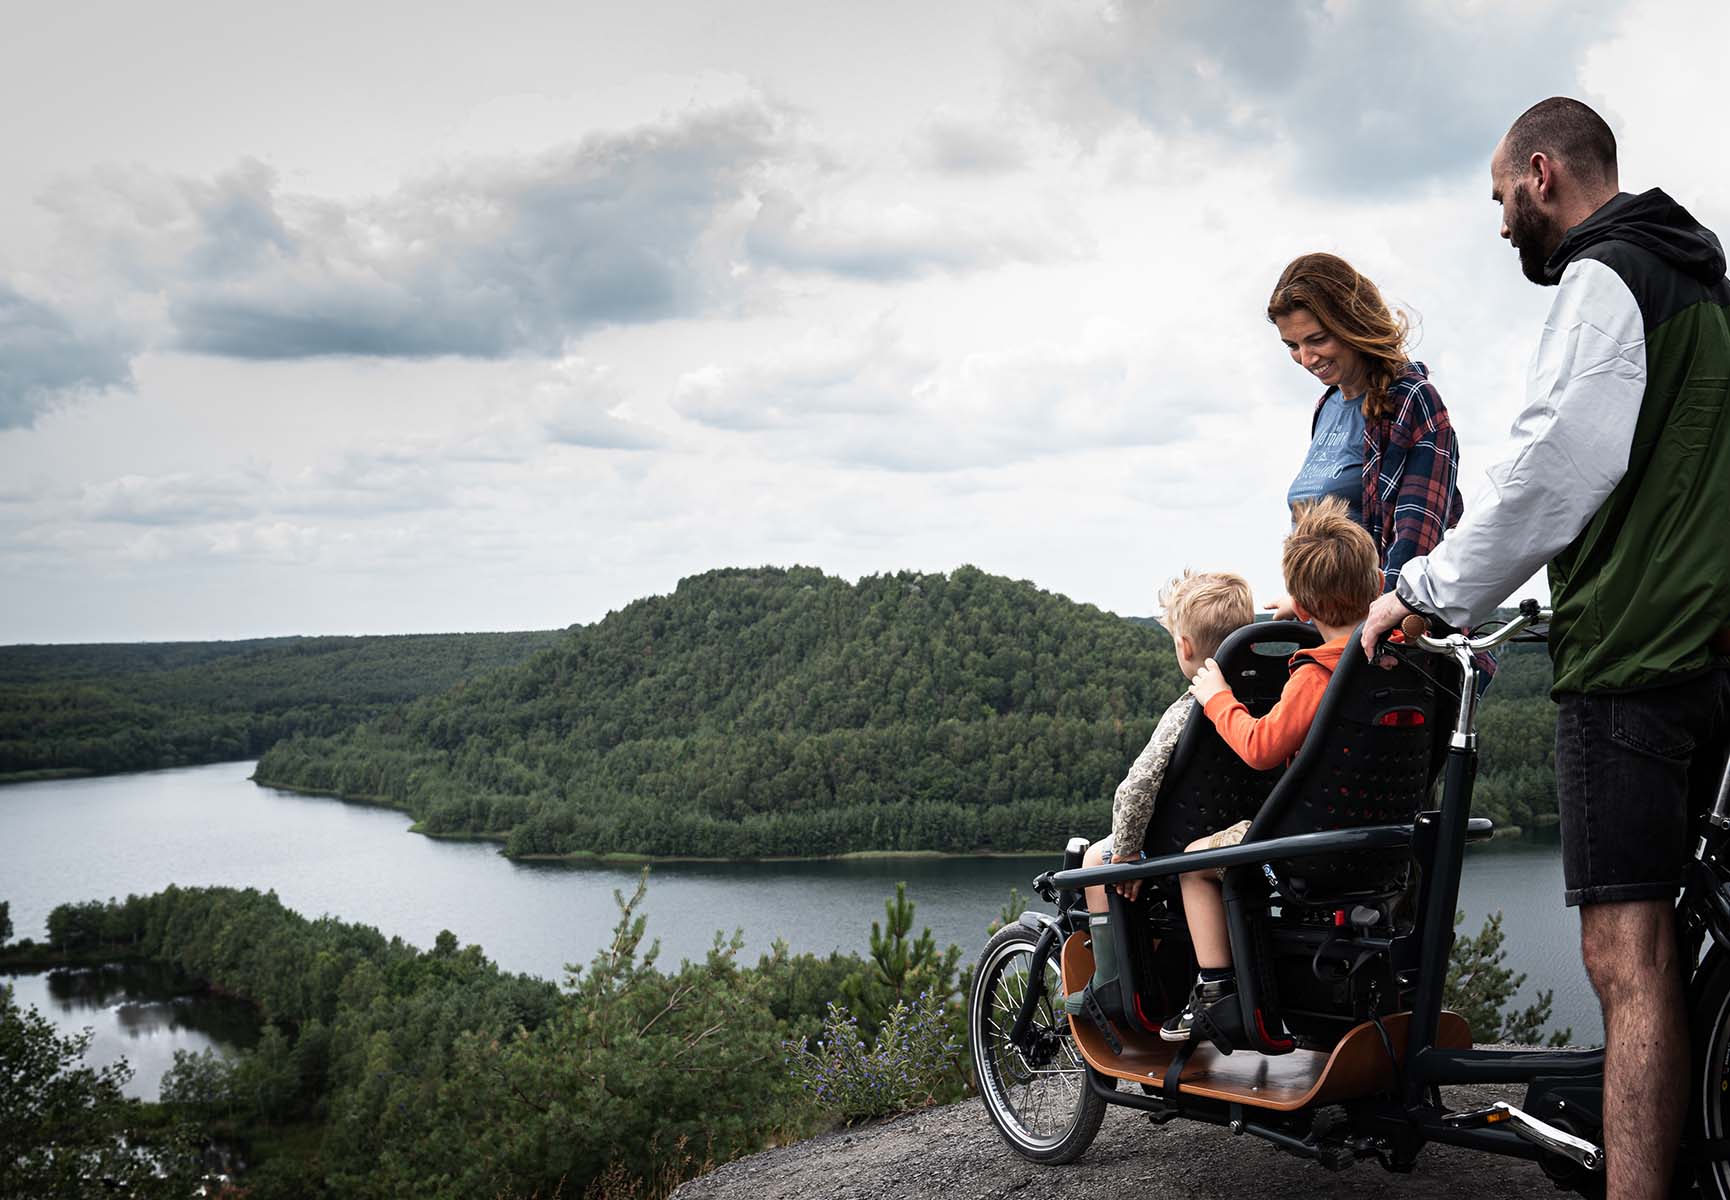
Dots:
(1507, 234)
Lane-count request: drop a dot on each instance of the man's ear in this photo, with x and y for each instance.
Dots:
(1544, 176)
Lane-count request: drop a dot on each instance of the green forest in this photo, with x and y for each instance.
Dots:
(388, 1071)
(384, 1071)
(138, 706)
(770, 712)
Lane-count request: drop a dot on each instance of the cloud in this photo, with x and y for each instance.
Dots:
(886, 244)
(824, 376)
(955, 145)
(43, 358)
(488, 259)
(877, 401)
(174, 499)
(1365, 96)
(579, 403)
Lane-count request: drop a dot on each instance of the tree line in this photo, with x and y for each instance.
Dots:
(130, 707)
(779, 712)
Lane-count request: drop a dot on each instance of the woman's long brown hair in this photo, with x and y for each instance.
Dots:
(1350, 307)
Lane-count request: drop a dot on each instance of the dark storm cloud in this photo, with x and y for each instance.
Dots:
(488, 260)
(44, 357)
(1370, 96)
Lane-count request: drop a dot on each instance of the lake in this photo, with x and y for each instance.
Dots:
(83, 839)
(142, 1012)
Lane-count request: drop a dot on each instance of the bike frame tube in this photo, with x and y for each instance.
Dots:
(1299, 845)
(1426, 1063)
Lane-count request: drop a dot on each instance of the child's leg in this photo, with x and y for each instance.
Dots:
(1204, 908)
(1095, 857)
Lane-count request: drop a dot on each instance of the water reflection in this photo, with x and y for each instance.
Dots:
(142, 1012)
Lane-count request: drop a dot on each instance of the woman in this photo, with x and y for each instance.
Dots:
(1380, 437)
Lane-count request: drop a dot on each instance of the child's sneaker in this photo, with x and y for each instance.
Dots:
(1180, 1027)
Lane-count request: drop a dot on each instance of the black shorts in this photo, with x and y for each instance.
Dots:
(1632, 770)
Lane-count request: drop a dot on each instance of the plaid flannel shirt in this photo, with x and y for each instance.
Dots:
(1411, 468)
(1411, 464)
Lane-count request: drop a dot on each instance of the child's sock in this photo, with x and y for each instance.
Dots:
(1217, 975)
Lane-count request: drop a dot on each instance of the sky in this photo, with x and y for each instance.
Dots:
(399, 317)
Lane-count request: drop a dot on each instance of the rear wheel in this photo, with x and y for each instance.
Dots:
(1709, 1075)
(1037, 1094)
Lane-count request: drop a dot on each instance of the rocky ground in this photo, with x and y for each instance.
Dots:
(954, 1153)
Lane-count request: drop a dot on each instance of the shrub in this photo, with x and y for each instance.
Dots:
(912, 1063)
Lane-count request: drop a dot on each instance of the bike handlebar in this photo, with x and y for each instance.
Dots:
(1530, 614)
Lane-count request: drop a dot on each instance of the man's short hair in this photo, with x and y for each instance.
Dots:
(1565, 130)
(1330, 564)
(1206, 607)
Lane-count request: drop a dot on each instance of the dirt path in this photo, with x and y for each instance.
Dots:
(954, 1153)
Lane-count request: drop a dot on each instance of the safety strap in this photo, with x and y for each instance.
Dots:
(1096, 1014)
(1174, 1073)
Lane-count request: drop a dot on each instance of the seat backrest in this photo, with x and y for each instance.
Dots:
(1370, 758)
(1207, 787)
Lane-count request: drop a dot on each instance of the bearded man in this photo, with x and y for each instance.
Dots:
(1621, 483)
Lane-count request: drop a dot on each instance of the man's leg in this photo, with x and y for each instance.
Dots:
(1631, 956)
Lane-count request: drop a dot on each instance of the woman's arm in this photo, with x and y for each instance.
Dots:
(1420, 474)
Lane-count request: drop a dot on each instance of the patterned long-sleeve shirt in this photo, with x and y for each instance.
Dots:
(1132, 807)
(1411, 467)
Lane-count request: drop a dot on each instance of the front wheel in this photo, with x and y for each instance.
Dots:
(1037, 1094)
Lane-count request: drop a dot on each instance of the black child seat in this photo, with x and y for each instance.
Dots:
(1206, 788)
(1371, 758)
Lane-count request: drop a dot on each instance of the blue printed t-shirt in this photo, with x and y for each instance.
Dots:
(1334, 465)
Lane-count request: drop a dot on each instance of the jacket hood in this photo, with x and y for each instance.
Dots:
(1651, 221)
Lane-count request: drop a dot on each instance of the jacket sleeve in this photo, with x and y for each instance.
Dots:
(1426, 481)
(1267, 742)
(1132, 806)
(1587, 380)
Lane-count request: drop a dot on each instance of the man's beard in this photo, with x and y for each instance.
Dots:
(1534, 235)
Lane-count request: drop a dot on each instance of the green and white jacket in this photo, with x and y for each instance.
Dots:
(1621, 476)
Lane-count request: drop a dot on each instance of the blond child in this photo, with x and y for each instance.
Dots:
(1199, 610)
(1332, 577)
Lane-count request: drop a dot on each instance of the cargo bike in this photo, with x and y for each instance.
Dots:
(1340, 907)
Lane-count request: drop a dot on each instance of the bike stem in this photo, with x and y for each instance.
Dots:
(1441, 887)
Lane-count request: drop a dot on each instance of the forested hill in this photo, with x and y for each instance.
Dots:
(778, 712)
(128, 707)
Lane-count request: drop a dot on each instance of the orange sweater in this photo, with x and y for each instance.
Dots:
(1273, 739)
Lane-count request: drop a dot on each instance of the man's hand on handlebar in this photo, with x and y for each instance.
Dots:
(1386, 613)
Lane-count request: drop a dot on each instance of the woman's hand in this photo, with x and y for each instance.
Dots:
(1283, 609)
(1208, 683)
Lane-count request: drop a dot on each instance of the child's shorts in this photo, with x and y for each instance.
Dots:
(1229, 836)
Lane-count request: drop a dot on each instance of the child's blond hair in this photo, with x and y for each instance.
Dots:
(1330, 564)
(1206, 606)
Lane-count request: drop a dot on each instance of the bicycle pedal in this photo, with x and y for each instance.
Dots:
(1476, 1118)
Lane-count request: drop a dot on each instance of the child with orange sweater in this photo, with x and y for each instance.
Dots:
(1333, 577)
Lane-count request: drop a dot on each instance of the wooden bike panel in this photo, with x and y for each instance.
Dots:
(1357, 1066)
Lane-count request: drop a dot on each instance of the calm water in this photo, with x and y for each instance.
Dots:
(95, 838)
(142, 1012)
